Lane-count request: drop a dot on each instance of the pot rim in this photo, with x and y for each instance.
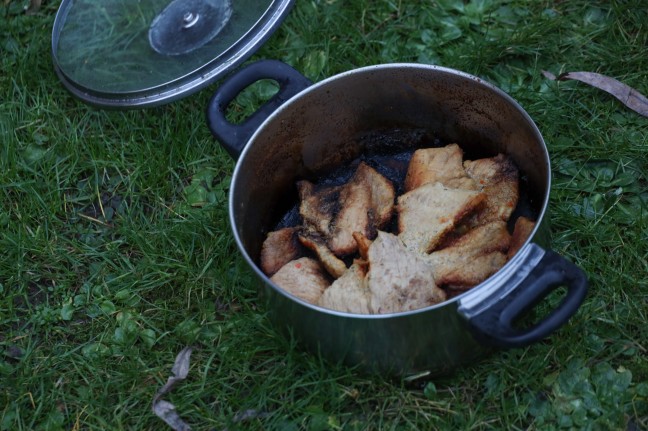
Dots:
(484, 289)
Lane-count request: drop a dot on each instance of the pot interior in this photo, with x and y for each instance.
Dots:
(372, 112)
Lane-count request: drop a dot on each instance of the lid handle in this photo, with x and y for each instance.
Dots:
(189, 19)
(234, 137)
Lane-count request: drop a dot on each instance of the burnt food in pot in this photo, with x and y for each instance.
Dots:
(359, 248)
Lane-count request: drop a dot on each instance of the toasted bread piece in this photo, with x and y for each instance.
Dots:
(279, 248)
(443, 165)
(363, 244)
(521, 232)
(305, 278)
(498, 177)
(316, 243)
(428, 212)
(366, 204)
(318, 205)
(349, 293)
(473, 257)
(398, 278)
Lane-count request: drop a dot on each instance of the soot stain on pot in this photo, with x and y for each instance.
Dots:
(389, 152)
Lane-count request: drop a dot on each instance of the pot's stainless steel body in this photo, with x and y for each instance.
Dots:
(315, 130)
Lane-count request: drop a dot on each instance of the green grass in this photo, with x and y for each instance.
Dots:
(115, 250)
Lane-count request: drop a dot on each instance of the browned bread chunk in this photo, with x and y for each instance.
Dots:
(443, 165)
(366, 204)
(521, 232)
(498, 177)
(332, 264)
(427, 213)
(318, 206)
(349, 293)
(473, 257)
(305, 278)
(399, 279)
(280, 247)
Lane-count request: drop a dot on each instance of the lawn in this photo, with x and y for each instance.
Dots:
(116, 252)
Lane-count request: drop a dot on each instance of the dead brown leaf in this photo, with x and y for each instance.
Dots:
(164, 409)
(626, 94)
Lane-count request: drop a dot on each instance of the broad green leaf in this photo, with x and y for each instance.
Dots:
(94, 350)
(67, 311)
(450, 32)
(34, 153)
(205, 176)
(314, 63)
(123, 294)
(79, 300)
(108, 307)
(148, 337)
(430, 390)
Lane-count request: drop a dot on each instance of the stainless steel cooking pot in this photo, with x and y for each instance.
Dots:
(308, 129)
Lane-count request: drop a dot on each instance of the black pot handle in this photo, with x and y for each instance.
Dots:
(233, 137)
(494, 325)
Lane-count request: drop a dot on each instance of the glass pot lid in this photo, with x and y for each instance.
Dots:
(137, 53)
